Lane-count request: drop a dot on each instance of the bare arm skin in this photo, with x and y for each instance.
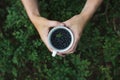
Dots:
(76, 23)
(41, 24)
(90, 8)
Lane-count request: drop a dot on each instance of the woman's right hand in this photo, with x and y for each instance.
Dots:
(43, 26)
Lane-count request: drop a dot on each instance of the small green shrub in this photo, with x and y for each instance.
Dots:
(23, 56)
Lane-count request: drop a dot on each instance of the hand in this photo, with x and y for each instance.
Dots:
(76, 24)
(43, 25)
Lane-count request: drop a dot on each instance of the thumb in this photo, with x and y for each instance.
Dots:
(62, 24)
(55, 23)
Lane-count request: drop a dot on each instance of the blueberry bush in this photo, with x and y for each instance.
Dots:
(23, 55)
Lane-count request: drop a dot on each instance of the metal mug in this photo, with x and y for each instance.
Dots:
(60, 46)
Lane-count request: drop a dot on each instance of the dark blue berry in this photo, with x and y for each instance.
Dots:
(60, 38)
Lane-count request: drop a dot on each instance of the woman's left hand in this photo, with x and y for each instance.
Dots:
(76, 24)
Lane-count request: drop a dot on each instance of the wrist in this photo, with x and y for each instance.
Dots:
(90, 8)
(88, 12)
(39, 21)
(33, 15)
(81, 21)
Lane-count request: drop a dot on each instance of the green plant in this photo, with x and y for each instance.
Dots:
(23, 56)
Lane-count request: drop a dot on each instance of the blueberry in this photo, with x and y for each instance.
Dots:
(60, 38)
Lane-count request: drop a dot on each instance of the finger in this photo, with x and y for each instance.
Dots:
(66, 23)
(62, 24)
(74, 46)
(73, 50)
(55, 23)
(47, 45)
(61, 54)
(45, 40)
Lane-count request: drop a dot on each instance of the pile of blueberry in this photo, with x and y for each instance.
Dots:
(60, 39)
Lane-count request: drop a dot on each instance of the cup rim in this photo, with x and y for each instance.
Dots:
(60, 27)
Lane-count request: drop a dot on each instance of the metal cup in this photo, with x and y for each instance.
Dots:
(60, 39)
